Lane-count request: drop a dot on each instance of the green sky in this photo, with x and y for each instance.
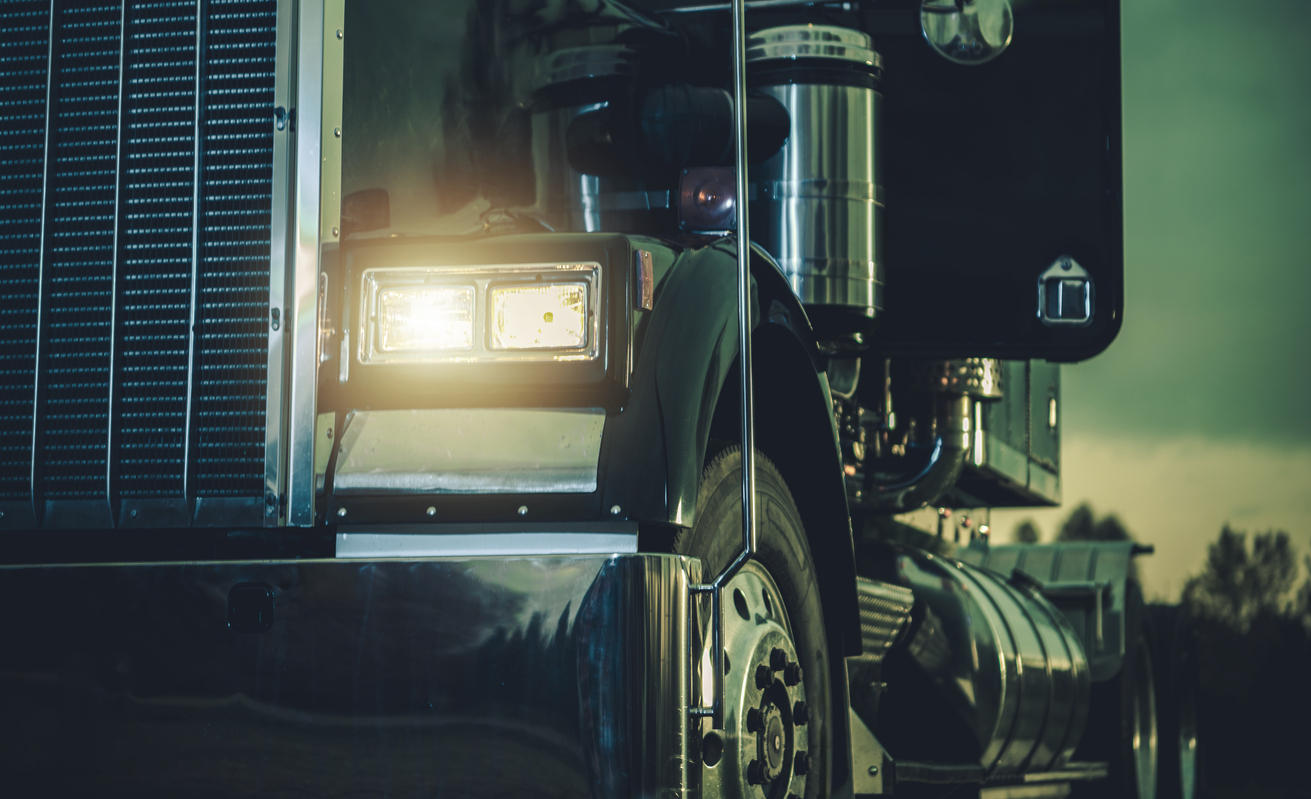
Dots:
(1200, 412)
(1217, 195)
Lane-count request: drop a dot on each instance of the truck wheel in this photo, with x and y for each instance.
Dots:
(1176, 687)
(1122, 721)
(777, 739)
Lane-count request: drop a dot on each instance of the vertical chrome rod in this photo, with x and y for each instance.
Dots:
(743, 291)
(716, 588)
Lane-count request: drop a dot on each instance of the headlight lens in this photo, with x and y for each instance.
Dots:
(551, 316)
(508, 313)
(425, 318)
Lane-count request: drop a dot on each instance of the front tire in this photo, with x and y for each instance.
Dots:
(782, 591)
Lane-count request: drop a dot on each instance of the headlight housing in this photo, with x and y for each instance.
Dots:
(512, 312)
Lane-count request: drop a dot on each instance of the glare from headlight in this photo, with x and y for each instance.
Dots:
(541, 316)
(425, 318)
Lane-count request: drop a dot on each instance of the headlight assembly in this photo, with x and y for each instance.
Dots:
(514, 312)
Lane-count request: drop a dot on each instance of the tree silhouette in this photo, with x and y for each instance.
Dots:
(1082, 525)
(1237, 586)
(1027, 533)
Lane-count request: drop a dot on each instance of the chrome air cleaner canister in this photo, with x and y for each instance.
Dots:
(818, 203)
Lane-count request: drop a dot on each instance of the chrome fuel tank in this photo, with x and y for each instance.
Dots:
(819, 203)
(997, 655)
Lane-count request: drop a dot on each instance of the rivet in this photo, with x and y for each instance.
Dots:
(431, 511)
(335, 232)
(614, 510)
(339, 33)
(134, 514)
(873, 771)
(523, 510)
(336, 132)
(341, 511)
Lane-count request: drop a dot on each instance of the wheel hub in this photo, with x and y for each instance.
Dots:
(765, 738)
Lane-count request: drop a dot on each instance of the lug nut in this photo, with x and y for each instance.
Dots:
(778, 659)
(801, 763)
(754, 723)
(800, 714)
(792, 674)
(763, 676)
(756, 773)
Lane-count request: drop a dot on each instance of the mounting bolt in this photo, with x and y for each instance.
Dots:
(778, 659)
(800, 714)
(341, 511)
(431, 511)
(756, 773)
(792, 674)
(754, 723)
(763, 676)
(801, 763)
(873, 771)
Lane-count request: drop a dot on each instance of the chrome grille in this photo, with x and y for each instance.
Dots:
(136, 153)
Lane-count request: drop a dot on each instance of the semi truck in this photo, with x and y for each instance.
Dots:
(524, 397)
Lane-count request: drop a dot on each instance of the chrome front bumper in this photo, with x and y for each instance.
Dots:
(480, 677)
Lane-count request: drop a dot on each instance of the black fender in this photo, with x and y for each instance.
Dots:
(685, 383)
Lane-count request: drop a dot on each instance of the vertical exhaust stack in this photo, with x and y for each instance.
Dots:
(818, 204)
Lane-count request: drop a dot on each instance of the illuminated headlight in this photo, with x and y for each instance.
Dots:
(539, 317)
(513, 312)
(425, 318)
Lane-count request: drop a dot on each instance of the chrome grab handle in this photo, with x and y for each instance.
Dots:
(716, 587)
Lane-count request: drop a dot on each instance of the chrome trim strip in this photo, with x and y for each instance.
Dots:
(470, 451)
(110, 460)
(34, 492)
(280, 252)
(463, 545)
(197, 178)
(317, 219)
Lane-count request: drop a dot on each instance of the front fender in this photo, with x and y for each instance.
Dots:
(685, 381)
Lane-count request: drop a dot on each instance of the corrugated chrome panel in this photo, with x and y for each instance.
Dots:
(236, 209)
(24, 52)
(155, 250)
(884, 611)
(77, 312)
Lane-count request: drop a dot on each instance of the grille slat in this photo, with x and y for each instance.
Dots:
(157, 246)
(234, 277)
(80, 233)
(25, 43)
(136, 169)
